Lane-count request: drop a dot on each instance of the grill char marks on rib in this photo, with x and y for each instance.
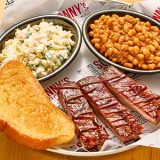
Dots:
(133, 94)
(112, 113)
(91, 134)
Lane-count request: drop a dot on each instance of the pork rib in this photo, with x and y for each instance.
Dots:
(91, 134)
(112, 113)
(133, 94)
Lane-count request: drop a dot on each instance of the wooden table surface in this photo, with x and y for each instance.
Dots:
(9, 150)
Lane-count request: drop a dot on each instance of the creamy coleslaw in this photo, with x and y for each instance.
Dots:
(43, 48)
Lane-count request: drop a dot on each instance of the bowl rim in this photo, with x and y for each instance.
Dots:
(50, 16)
(97, 54)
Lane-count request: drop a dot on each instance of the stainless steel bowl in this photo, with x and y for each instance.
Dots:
(66, 23)
(92, 17)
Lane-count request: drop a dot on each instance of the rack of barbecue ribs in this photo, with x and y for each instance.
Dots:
(91, 134)
(136, 96)
(110, 111)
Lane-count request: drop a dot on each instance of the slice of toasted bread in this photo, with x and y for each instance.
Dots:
(26, 113)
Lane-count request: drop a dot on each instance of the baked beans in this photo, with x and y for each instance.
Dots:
(127, 41)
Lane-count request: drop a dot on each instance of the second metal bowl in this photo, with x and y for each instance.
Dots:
(90, 19)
